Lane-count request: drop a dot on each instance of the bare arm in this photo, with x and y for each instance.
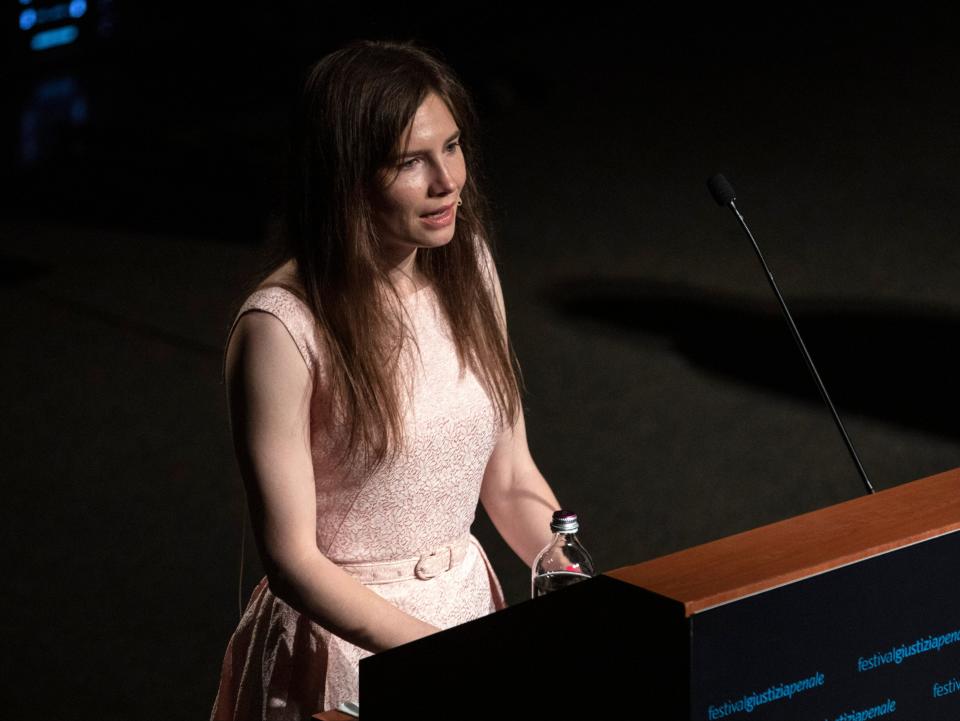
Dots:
(269, 388)
(514, 493)
(516, 496)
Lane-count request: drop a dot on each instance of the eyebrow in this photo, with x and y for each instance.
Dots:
(414, 153)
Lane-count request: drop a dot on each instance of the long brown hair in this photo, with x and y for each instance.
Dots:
(354, 108)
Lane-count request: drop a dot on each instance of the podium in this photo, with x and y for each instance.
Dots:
(848, 613)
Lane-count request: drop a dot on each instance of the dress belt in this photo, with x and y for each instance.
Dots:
(425, 566)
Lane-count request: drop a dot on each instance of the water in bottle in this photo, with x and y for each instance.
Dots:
(564, 561)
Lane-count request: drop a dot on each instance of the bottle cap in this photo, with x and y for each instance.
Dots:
(564, 522)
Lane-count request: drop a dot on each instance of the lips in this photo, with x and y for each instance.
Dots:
(438, 212)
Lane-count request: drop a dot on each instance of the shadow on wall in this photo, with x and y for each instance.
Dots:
(890, 362)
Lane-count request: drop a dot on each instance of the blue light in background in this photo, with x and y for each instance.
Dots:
(53, 13)
(54, 106)
(78, 8)
(53, 38)
(28, 18)
(55, 94)
(30, 127)
(78, 111)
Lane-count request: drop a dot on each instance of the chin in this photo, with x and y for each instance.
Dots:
(438, 241)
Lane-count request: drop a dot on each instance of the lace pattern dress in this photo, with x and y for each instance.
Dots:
(281, 665)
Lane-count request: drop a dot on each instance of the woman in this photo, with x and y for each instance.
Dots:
(372, 396)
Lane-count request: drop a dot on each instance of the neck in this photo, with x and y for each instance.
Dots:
(404, 274)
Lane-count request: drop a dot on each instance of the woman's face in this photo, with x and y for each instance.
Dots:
(417, 208)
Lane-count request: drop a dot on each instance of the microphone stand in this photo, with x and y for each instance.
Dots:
(723, 194)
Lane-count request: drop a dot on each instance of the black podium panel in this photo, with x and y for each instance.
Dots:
(878, 639)
(576, 652)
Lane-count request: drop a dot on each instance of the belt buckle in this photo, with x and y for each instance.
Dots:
(433, 563)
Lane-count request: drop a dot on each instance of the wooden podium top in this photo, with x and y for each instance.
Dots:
(770, 556)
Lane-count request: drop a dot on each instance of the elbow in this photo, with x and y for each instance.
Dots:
(286, 580)
(285, 587)
(303, 585)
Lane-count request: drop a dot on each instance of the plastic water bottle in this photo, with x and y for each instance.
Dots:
(564, 561)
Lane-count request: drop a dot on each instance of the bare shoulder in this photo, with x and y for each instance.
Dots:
(257, 331)
(263, 365)
(275, 317)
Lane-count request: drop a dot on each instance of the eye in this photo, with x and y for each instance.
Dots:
(453, 146)
(407, 164)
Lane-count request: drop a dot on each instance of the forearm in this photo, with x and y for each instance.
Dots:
(334, 599)
(522, 514)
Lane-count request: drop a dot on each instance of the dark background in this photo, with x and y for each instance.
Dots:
(141, 166)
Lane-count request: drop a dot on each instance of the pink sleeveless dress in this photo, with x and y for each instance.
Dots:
(403, 531)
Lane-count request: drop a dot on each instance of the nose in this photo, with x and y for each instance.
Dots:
(443, 182)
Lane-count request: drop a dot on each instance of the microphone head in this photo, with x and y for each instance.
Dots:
(721, 190)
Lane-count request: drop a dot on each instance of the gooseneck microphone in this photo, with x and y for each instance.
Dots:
(722, 192)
